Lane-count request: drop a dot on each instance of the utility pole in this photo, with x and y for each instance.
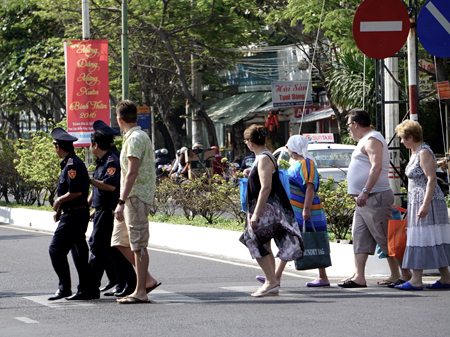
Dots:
(391, 121)
(196, 87)
(125, 68)
(412, 65)
(88, 156)
(197, 132)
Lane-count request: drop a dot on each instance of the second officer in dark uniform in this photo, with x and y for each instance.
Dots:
(104, 196)
(120, 272)
(72, 211)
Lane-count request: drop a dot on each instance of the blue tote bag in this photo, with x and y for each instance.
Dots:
(243, 192)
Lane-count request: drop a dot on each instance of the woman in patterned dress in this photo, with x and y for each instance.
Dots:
(428, 233)
(270, 214)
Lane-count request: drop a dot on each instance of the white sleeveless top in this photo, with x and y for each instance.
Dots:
(358, 170)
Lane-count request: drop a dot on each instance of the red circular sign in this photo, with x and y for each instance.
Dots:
(381, 27)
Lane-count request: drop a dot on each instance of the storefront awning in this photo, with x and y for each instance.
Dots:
(318, 115)
(232, 109)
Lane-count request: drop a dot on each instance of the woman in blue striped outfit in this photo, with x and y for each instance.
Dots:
(304, 183)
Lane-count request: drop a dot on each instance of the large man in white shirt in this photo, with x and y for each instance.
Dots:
(368, 182)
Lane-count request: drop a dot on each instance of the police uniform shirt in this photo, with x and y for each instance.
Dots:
(108, 171)
(74, 179)
(115, 151)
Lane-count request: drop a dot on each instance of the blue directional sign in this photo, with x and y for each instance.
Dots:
(433, 27)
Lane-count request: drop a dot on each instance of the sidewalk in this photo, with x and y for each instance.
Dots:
(214, 242)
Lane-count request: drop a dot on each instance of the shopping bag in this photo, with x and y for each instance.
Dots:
(243, 192)
(284, 178)
(317, 250)
(397, 238)
(396, 215)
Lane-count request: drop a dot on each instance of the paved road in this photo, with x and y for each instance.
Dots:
(204, 296)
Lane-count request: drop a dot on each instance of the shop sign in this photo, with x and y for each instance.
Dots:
(87, 87)
(319, 137)
(443, 89)
(298, 112)
(291, 94)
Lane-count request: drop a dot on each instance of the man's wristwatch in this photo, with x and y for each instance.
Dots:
(120, 202)
(365, 191)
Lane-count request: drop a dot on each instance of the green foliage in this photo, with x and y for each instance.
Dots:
(349, 88)
(338, 206)
(284, 164)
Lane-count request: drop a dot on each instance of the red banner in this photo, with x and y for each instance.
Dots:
(87, 87)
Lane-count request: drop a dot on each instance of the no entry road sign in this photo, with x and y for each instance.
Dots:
(433, 27)
(381, 27)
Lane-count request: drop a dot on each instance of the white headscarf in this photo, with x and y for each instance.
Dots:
(299, 145)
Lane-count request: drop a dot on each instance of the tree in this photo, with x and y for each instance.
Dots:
(29, 81)
(163, 36)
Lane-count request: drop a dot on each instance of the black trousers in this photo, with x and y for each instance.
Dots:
(70, 235)
(100, 244)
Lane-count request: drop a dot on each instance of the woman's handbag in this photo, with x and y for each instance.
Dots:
(317, 250)
(284, 178)
(397, 236)
(243, 192)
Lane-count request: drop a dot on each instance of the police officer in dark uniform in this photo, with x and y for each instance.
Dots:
(72, 211)
(104, 196)
(118, 269)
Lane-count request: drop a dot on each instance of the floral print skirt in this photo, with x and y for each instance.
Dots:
(273, 224)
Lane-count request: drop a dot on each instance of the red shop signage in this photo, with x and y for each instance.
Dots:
(87, 87)
(298, 112)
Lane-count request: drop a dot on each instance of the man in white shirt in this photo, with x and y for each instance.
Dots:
(368, 182)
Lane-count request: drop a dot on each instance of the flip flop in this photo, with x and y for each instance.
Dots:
(438, 285)
(351, 284)
(131, 300)
(318, 283)
(271, 291)
(150, 289)
(408, 286)
(396, 283)
(385, 282)
(261, 279)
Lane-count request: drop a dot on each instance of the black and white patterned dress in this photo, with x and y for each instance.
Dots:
(428, 239)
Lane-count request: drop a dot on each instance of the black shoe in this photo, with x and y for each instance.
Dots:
(108, 286)
(60, 294)
(113, 292)
(80, 297)
(124, 293)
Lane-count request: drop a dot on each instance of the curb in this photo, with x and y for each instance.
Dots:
(203, 240)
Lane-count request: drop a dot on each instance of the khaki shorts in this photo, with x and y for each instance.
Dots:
(370, 223)
(134, 231)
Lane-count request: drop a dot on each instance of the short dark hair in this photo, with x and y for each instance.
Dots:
(65, 146)
(102, 140)
(359, 116)
(127, 111)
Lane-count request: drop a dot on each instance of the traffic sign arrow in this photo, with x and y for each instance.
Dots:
(433, 27)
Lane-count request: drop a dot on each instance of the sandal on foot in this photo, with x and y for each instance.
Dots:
(150, 289)
(438, 285)
(131, 300)
(261, 279)
(318, 283)
(408, 286)
(385, 282)
(272, 291)
(396, 283)
(352, 284)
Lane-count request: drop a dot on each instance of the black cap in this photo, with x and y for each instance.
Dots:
(102, 126)
(61, 135)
